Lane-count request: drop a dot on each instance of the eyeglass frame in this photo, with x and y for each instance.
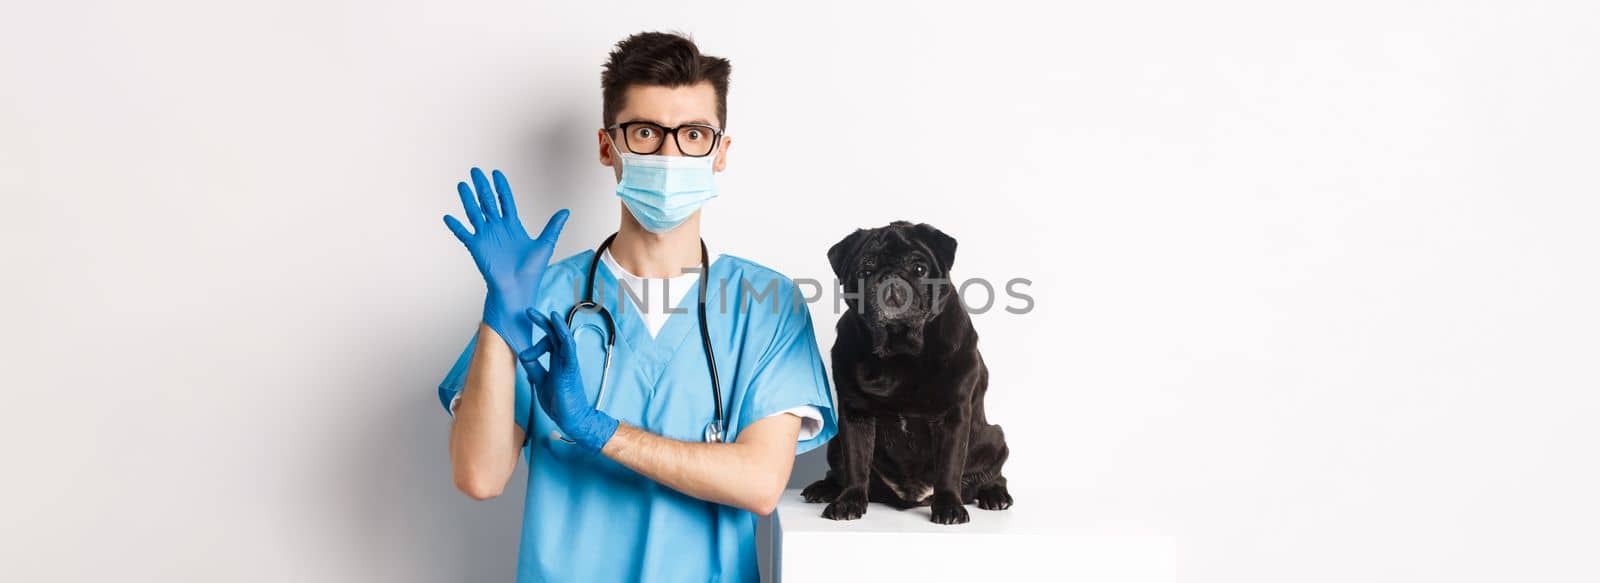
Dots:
(716, 136)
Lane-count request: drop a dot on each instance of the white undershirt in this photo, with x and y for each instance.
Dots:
(661, 294)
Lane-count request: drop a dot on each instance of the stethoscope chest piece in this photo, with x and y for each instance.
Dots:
(714, 431)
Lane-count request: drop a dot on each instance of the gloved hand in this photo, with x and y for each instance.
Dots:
(560, 389)
(511, 263)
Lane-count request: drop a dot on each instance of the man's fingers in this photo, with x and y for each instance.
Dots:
(538, 349)
(491, 209)
(508, 204)
(559, 323)
(456, 227)
(558, 329)
(536, 373)
(470, 203)
(550, 331)
(559, 335)
(567, 353)
(552, 229)
(542, 322)
(530, 361)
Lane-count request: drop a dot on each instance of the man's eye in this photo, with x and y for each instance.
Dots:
(694, 134)
(645, 132)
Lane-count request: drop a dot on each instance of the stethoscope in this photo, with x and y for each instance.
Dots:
(714, 430)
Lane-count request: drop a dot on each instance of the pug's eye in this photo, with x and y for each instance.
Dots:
(863, 274)
(919, 270)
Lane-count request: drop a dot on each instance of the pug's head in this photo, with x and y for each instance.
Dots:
(897, 279)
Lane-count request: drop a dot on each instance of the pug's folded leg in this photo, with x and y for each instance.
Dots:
(994, 495)
(824, 490)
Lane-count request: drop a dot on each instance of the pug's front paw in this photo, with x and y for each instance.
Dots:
(850, 505)
(950, 514)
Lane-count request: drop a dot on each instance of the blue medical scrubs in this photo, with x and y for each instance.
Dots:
(589, 519)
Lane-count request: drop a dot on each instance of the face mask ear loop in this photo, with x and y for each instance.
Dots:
(614, 150)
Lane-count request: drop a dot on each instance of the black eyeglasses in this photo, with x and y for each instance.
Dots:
(693, 140)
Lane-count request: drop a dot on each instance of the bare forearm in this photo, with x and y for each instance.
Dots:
(748, 474)
(484, 438)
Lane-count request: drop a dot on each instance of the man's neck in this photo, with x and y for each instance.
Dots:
(653, 255)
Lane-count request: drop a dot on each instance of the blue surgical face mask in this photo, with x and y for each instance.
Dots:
(663, 191)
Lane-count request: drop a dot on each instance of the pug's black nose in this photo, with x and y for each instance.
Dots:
(896, 292)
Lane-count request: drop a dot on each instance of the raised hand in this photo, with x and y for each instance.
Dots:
(512, 264)
(560, 388)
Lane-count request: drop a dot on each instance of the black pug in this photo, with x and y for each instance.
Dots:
(911, 426)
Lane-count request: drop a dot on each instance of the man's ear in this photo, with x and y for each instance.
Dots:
(943, 246)
(722, 153)
(842, 251)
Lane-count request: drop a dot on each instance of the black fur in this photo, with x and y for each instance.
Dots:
(912, 431)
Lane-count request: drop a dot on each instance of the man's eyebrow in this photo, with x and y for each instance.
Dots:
(696, 121)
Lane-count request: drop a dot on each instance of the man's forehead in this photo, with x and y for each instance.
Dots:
(670, 106)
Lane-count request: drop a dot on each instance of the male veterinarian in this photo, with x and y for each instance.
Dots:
(709, 391)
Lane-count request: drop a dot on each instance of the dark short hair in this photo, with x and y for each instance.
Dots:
(660, 58)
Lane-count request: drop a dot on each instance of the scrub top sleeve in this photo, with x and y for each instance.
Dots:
(810, 420)
(789, 374)
(450, 387)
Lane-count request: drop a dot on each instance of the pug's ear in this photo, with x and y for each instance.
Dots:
(943, 246)
(842, 251)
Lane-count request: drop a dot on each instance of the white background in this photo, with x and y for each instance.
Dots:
(1315, 284)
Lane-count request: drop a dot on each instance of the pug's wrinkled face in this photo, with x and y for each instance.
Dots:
(897, 279)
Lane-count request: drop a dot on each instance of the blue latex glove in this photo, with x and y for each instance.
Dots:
(511, 263)
(560, 389)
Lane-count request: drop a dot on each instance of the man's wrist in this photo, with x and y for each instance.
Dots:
(516, 334)
(599, 428)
